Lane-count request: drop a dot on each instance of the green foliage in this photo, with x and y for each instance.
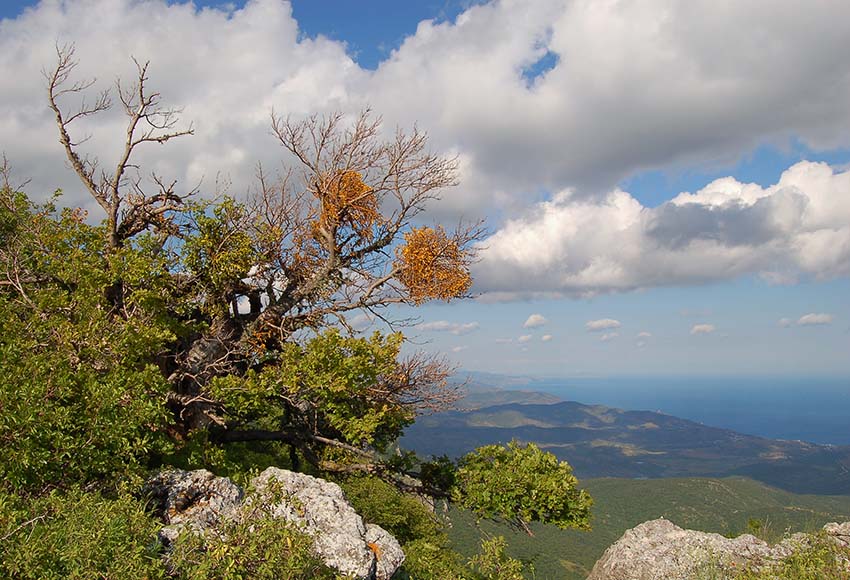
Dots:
(823, 559)
(100, 379)
(433, 559)
(521, 484)
(338, 379)
(404, 516)
(248, 549)
(494, 564)
(77, 536)
(219, 252)
(81, 399)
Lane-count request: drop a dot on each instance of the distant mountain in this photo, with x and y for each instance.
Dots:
(481, 394)
(601, 441)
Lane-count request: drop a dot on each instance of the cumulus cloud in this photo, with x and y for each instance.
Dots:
(534, 321)
(524, 338)
(572, 246)
(457, 349)
(609, 336)
(697, 329)
(602, 324)
(644, 334)
(546, 338)
(456, 328)
(579, 123)
(784, 322)
(814, 319)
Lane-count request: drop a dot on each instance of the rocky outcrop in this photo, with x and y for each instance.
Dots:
(661, 550)
(201, 501)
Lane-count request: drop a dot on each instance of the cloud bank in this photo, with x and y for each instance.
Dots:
(572, 246)
(633, 86)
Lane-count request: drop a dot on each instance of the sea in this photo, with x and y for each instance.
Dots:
(814, 409)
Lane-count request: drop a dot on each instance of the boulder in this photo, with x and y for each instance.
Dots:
(661, 550)
(201, 501)
(198, 499)
(387, 551)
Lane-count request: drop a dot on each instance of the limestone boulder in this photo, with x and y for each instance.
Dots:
(201, 501)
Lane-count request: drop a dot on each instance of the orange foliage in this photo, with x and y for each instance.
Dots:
(347, 201)
(432, 265)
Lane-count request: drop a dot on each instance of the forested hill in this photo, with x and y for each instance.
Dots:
(601, 441)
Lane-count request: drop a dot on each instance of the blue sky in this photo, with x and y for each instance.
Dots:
(578, 126)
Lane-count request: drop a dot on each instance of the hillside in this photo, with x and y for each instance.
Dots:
(715, 505)
(601, 441)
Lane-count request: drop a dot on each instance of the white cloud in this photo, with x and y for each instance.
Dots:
(546, 337)
(361, 322)
(644, 334)
(785, 322)
(814, 319)
(702, 329)
(581, 124)
(524, 338)
(609, 336)
(456, 328)
(534, 321)
(459, 348)
(602, 324)
(573, 246)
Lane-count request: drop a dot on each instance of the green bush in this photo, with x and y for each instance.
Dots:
(823, 559)
(521, 484)
(251, 549)
(404, 516)
(78, 536)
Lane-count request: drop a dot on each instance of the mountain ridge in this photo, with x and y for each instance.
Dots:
(601, 441)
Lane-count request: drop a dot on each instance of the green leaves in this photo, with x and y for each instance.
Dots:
(78, 536)
(333, 384)
(521, 484)
(80, 396)
(219, 252)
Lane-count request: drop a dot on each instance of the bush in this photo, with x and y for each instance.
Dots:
(404, 516)
(78, 536)
(823, 559)
(255, 549)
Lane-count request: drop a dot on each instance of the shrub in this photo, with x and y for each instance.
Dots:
(77, 535)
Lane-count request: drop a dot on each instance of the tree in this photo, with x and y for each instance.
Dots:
(254, 284)
(522, 484)
(219, 333)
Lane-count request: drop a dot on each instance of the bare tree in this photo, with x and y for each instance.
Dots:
(130, 208)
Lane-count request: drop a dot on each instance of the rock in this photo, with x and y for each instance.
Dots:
(661, 550)
(198, 499)
(319, 508)
(840, 532)
(387, 551)
(201, 501)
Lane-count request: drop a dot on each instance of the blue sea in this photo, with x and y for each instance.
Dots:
(804, 408)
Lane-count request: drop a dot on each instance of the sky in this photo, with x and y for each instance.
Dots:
(666, 185)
